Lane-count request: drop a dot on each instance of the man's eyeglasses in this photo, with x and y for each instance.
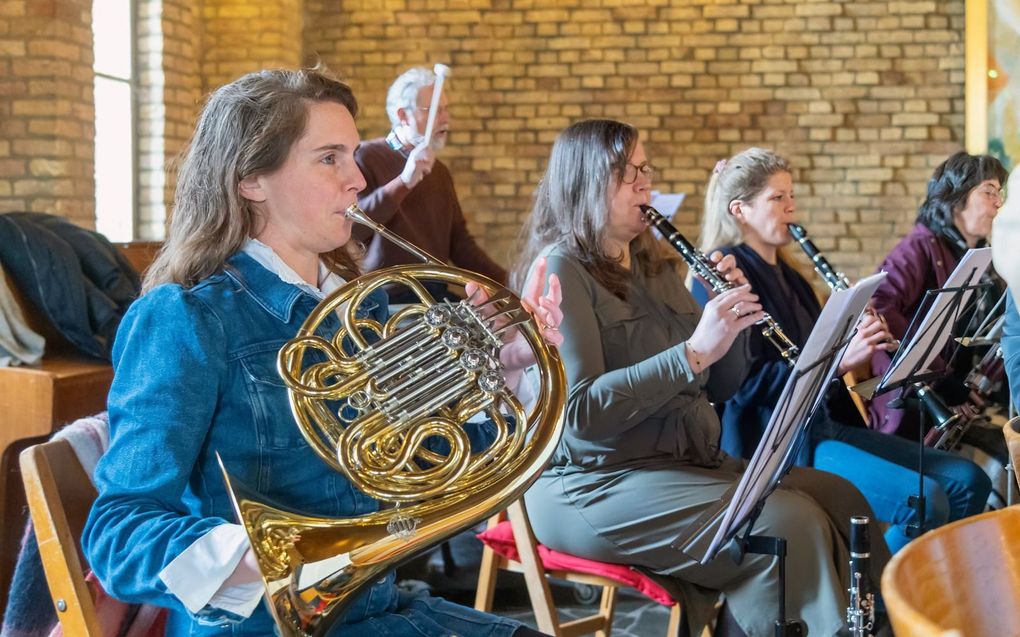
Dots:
(442, 109)
(630, 172)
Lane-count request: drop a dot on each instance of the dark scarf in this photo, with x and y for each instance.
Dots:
(762, 277)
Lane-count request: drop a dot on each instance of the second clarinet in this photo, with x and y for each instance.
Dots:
(704, 268)
(860, 615)
(950, 424)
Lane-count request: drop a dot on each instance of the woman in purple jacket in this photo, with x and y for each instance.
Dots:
(964, 195)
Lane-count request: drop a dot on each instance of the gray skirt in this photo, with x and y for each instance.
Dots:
(633, 515)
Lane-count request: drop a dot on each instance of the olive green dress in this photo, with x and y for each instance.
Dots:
(640, 461)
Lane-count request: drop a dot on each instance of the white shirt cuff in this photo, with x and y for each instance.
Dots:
(527, 389)
(197, 575)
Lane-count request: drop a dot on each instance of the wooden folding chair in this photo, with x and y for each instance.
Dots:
(959, 580)
(535, 579)
(60, 495)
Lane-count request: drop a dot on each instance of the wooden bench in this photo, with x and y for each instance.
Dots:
(37, 399)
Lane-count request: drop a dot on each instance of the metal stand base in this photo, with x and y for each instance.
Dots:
(775, 546)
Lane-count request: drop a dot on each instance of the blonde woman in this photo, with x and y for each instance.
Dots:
(750, 201)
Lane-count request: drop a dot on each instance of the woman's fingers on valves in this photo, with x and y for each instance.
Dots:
(551, 300)
(738, 296)
(749, 319)
(729, 297)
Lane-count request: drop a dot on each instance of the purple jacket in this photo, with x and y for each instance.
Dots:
(919, 262)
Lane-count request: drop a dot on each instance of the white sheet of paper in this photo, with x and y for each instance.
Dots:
(667, 203)
(800, 397)
(927, 339)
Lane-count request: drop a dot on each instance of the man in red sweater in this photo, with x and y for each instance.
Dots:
(411, 192)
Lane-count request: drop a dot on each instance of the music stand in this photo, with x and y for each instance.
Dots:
(911, 367)
(924, 344)
(989, 332)
(803, 393)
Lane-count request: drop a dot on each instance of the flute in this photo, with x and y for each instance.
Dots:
(704, 268)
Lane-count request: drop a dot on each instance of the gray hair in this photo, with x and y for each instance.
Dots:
(403, 92)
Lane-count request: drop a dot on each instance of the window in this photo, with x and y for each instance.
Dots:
(115, 154)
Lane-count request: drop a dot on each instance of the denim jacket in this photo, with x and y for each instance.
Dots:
(195, 375)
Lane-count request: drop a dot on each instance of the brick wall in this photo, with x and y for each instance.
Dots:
(187, 49)
(241, 36)
(46, 115)
(864, 97)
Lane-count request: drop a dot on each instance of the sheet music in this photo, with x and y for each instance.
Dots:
(917, 355)
(667, 203)
(801, 396)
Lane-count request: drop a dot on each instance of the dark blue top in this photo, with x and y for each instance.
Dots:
(788, 297)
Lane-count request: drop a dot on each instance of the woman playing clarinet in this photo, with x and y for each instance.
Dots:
(750, 201)
(640, 459)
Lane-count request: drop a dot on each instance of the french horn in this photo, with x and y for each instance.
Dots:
(369, 398)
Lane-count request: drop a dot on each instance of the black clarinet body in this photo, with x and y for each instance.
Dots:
(860, 615)
(704, 268)
(949, 424)
(835, 280)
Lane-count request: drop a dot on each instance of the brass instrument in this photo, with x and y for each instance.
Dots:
(704, 268)
(367, 398)
(949, 424)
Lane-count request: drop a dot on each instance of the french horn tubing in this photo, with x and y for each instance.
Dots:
(368, 399)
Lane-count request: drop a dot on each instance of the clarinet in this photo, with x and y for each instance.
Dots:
(704, 268)
(860, 615)
(949, 424)
(835, 280)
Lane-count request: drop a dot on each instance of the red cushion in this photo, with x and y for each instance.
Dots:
(500, 539)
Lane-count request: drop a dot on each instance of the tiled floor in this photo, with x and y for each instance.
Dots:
(635, 616)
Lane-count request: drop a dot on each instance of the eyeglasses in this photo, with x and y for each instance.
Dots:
(442, 109)
(992, 193)
(630, 172)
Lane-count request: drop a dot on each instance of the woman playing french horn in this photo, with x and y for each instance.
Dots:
(640, 458)
(257, 237)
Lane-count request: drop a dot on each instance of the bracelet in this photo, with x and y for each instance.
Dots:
(697, 358)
